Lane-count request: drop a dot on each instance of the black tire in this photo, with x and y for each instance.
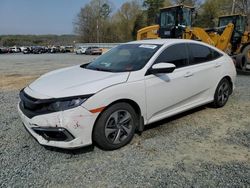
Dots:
(246, 60)
(239, 59)
(110, 132)
(222, 93)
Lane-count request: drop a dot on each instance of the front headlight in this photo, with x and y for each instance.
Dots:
(65, 104)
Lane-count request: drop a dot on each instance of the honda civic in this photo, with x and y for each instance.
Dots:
(132, 85)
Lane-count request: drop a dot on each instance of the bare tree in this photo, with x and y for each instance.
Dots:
(243, 7)
(153, 8)
(125, 18)
(89, 23)
(186, 2)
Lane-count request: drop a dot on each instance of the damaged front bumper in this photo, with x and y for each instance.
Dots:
(65, 129)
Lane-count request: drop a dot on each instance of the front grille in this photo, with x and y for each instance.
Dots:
(32, 107)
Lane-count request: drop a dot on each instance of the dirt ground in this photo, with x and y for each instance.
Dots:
(18, 70)
(204, 147)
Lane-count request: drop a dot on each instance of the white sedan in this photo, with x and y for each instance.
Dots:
(134, 84)
(81, 50)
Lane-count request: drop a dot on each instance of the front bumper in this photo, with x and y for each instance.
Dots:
(75, 124)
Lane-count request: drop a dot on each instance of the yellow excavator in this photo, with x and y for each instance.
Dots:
(230, 36)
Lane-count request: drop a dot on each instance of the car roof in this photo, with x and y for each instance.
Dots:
(164, 41)
(172, 41)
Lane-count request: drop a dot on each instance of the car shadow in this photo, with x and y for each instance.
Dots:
(78, 151)
(242, 72)
(88, 149)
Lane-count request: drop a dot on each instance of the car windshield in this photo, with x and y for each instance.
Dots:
(124, 58)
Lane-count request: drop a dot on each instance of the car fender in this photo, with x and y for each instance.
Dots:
(229, 69)
(105, 97)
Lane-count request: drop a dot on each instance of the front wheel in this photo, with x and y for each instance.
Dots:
(222, 93)
(115, 127)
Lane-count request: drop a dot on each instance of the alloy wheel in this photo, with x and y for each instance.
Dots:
(223, 93)
(118, 126)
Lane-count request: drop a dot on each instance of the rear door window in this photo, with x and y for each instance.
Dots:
(201, 54)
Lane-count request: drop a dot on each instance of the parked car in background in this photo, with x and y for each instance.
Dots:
(22, 48)
(3, 50)
(55, 49)
(27, 50)
(133, 85)
(67, 49)
(38, 49)
(81, 50)
(93, 51)
(14, 49)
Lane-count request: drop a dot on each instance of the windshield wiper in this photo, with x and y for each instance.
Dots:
(84, 65)
(99, 69)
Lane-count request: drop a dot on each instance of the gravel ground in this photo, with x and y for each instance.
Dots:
(204, 147)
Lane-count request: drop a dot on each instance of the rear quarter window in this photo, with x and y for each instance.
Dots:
(201, 54)
(216, 54)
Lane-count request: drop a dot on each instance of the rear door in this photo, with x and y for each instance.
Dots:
(205, 67)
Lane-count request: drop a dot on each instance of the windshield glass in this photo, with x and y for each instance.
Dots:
(123, 58)
(238, 21)
(224, 21)
(185, 17)
(168, 18)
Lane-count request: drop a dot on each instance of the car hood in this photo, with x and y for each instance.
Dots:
(74, 81)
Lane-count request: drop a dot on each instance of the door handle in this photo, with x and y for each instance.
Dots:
(188, 74)
(217, 65)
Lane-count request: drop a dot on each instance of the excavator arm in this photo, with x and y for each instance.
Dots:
(225, 37)
(211, 37)
(150, 32)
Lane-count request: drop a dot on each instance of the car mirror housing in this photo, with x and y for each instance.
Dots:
(161, 68)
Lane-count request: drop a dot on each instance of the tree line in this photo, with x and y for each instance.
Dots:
(37, 40)
(97, 22)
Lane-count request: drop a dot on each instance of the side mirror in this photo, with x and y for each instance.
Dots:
(161, 68)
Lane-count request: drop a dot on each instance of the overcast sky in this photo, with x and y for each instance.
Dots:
(41, 16)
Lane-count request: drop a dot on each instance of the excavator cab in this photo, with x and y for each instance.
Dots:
(240, 23)
(173, 21)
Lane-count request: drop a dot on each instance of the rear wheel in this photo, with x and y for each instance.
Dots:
(245, 65)
(115, 126)
(222, 93)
